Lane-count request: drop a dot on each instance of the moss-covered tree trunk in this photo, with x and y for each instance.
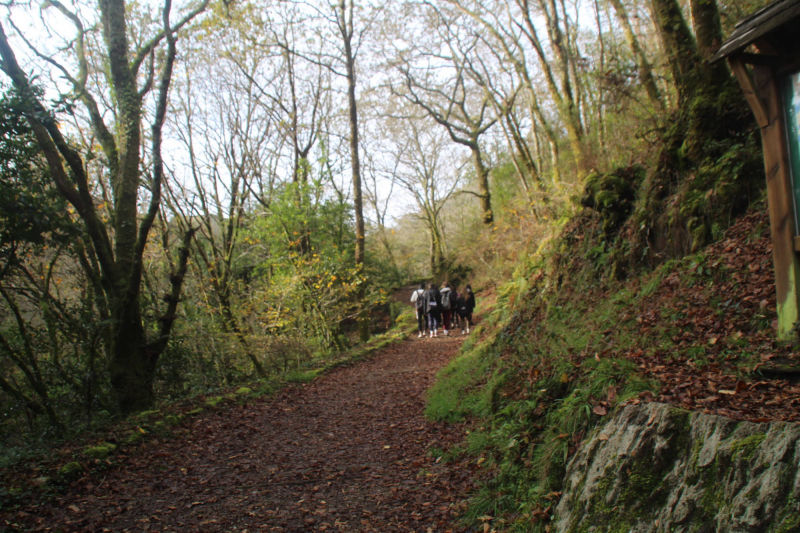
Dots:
(709, 168)
(482, 175)
(679, 47)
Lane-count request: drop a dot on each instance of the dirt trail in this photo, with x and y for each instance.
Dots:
(348, 452)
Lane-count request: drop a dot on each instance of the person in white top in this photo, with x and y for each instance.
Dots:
(418, 299)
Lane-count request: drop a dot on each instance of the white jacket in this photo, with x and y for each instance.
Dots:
(416, 295)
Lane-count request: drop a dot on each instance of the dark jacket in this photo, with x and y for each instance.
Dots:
(469, 301)
(433, 300)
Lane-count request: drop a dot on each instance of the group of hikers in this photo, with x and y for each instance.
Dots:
(444, 307)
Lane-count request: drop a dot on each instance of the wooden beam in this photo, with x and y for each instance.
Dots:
(757, 105)
(780, 206)
(768, 60)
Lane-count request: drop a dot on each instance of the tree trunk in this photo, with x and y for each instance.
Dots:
(482, 174)
(436, 251)
(708, 31)
(679, 45)
(646, 77)
(346, 27)
(132, 367)
(522, 158)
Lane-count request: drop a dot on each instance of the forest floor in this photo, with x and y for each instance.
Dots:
(351, 451)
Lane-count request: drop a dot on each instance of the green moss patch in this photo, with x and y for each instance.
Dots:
(70, 469)
(101, 451)
(745, 448)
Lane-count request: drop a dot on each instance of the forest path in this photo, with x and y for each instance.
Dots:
(347, 452)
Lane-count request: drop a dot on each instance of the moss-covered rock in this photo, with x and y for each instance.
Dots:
(214, 401)
(656, 468)
(70, 469)
(101, 450)
(612, 194)
(134, 437)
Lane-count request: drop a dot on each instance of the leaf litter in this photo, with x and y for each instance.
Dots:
(727, 360)
(347, 452)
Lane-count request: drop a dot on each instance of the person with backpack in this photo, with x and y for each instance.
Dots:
(466, 308)
(447, 307)
(418, 299)
(433, 302)
(455, 299)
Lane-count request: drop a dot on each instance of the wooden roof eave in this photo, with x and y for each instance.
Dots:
(758, 26)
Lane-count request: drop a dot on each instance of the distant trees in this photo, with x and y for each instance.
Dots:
(454, 100)
(259, 171)
(514, 33)
(222, 125)
(425, 169)
(643, 64)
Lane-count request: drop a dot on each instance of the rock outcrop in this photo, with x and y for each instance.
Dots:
(655, 468)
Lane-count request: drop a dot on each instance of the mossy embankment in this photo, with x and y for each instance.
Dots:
(567, 343)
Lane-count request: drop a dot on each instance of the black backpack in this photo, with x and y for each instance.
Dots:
(420, 301)
(433, 298)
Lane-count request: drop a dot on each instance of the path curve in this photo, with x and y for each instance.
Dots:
(348, 452)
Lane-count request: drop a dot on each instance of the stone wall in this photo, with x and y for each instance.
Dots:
(653, 467)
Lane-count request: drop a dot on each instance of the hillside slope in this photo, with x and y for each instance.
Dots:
(566, 346)
(712, 321)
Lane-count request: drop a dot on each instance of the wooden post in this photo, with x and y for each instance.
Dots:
(763, 95)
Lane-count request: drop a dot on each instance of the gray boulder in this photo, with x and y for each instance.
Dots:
(654, 468)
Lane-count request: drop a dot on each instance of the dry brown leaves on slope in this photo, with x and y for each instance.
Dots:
(724, 334)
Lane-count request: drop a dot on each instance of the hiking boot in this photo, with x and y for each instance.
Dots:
(420, 335)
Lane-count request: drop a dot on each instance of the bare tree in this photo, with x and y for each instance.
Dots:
(226, 132)
(505, 37)
(380, 200)
(452, 101)
(424, 171)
